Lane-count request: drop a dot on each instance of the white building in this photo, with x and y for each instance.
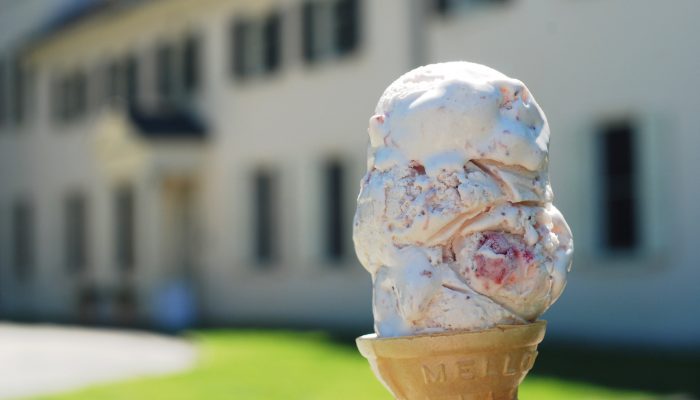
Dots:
(215, 148)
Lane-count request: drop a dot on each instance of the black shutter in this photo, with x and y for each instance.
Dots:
(55, 94)
(346, 25)
(3, 92)
(165, 82)
(114, 81)
(619, 189)
(125, 222)
(190, 64)
(69, 93)
(23, 239)
(80, 88)
(308, 31)
(272, 42)
(72, 96)
(63, 99)
(132, 81)
(18, 95)
(442, 6)
(238, 62)
(265, 223)
(76, 233)
(335, 228)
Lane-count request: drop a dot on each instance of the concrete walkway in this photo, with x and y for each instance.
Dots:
(41, 359)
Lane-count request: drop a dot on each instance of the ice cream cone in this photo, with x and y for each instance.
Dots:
(463, 365)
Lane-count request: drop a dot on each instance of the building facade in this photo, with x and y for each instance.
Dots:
(184, 162)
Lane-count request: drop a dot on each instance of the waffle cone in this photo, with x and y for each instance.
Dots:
(464, 365)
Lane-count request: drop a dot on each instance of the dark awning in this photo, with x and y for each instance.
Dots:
(172, 124)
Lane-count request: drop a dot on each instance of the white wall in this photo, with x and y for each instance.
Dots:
(587, 62)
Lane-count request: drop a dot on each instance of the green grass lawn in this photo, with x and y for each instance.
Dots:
(283, 365)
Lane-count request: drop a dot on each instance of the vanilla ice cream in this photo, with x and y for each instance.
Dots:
(454, 218)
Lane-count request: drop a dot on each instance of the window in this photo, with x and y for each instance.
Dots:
(178, 71)
(22, 239)
(165, 73)
(264, 224)
(330, 28)
(190, 64)
(125, 222)
(75, 234)
(70, 96)
(256, 46)
(619, 201)
(334, 200)
(115, 82)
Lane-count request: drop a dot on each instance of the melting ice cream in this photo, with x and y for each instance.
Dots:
(454, 219)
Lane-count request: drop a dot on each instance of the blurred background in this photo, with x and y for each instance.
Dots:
(179, 164)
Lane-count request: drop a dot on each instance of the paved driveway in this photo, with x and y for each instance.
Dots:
(40, 359)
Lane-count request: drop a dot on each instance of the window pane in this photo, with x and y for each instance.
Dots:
(125, 227)
(265, 221)
(619, 190)
(335, 229)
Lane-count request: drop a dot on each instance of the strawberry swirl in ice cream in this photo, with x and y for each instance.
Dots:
(454, 219)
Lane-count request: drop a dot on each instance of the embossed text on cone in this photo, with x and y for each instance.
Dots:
(488, 364)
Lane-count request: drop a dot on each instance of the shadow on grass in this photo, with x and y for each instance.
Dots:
(655, 371)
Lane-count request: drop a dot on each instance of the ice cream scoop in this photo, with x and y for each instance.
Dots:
(454, 219)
